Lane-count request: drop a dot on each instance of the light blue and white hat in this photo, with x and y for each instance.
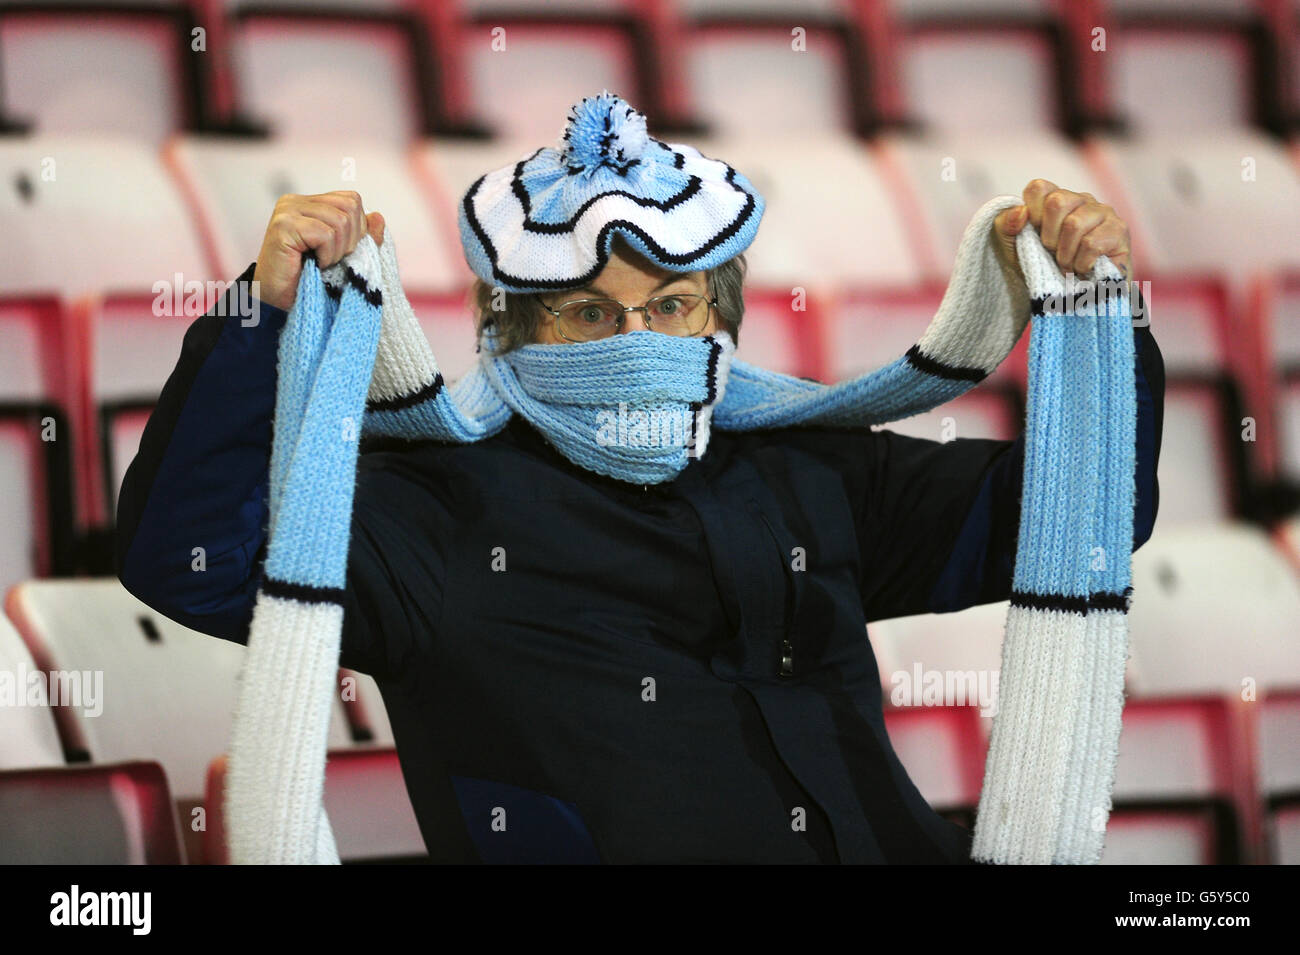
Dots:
(548, 221)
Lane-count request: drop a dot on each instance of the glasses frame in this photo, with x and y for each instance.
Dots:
(710, 302)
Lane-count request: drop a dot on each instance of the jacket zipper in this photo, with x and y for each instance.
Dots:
(786, 669)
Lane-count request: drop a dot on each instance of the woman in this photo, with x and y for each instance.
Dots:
(598, 648)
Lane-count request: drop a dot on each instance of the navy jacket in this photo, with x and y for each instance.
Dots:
(633, 674)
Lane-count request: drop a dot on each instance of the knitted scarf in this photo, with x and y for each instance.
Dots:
(353, 360)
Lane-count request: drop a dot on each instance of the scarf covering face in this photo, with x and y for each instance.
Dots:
(634, 407)
(353, 360)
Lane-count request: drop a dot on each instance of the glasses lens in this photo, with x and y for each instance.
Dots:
(588, 320)
(678, 314)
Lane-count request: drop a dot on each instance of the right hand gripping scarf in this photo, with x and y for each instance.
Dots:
(353, 360)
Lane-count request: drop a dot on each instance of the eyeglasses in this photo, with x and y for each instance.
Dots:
(591, 319)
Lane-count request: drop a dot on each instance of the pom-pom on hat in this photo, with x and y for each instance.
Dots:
(548, 221)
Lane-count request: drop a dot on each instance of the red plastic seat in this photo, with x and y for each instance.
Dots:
(366, 801)
(120, 814)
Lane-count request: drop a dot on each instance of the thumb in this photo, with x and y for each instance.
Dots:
(1010, 221)
(1007, 224)
(375, 227)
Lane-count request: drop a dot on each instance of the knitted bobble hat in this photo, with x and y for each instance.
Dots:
(548, 221)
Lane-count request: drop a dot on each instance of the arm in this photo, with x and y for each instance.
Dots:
(941, 522)
(200, 479)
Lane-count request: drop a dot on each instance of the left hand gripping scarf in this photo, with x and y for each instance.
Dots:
(353, 360)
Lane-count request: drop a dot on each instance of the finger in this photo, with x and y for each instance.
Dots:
(300, 234)
(1056, 206)
(1109, 239)
(1074, 227)
(1010, 221)
(344, 204)
(335, 245)
(1034, 194)
(350, 202)
(375, 227)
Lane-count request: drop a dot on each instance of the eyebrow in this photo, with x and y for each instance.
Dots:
(664, 284)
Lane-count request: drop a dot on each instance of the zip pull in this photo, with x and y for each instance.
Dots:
(787, 657)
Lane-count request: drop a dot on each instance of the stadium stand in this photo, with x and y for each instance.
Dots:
(153, 690)
(145, 142)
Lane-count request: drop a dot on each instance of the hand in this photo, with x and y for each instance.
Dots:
(1073, 225)
(330, 224)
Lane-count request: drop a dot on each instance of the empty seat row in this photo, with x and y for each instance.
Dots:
(1212, 718)
(128, 700)
(400, 70)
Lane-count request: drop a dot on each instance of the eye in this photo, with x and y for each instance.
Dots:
(591, 314)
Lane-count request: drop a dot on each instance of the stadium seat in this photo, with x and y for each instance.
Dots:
(831, 218)
(1285, 834)
(120, 814)
(363, 706)
(1213, 607)
(790, 72)
(1194, 325)
(168, 693)
(944, 177)
(36, 509)
(1279, 731)
(122, 425)
(77, 223)
(526, 68)
(1279, 772)
(134, 342)
(1212, 627)
(942, 742)
(119, 68)
(1186, 66)
(867, 327)
(28, 737)
(1290, 425)
(235, 187)
(1183, 762)
(77, 228)
(366, 63)
(1273, 384)
(1287, 536)
(1164, 834)
(942, 749)
(986, 412)
(1200, 452)
(366, 801)
(1014, 49)
(1213, 203)
(781, 334)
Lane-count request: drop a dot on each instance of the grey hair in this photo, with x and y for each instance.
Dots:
(517, 316)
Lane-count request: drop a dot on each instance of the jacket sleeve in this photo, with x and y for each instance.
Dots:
(193, 508)
(941, 520)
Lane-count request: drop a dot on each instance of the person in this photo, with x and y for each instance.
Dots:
(625, 670)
